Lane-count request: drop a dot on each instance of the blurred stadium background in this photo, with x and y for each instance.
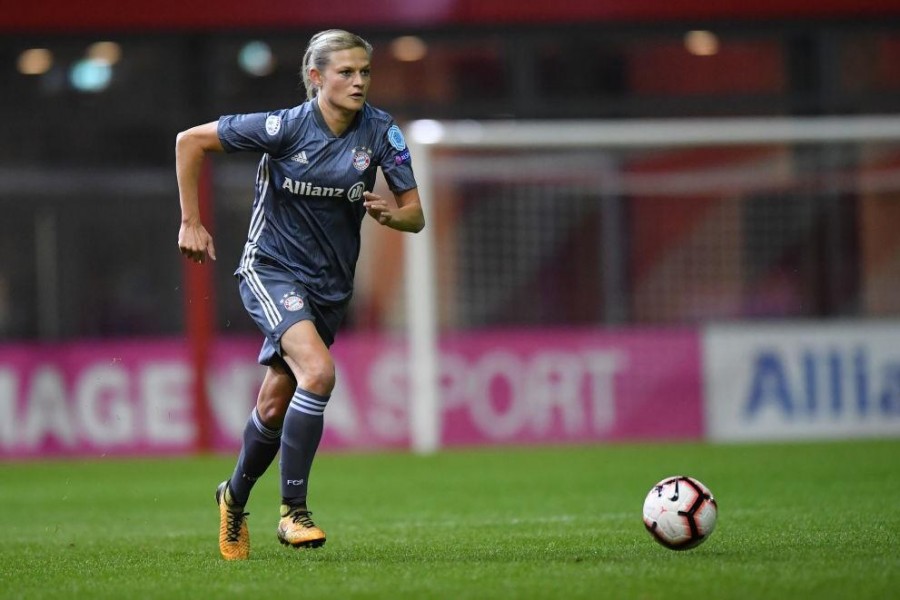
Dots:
(572, 293)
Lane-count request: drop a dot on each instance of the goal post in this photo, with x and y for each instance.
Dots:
(487, 151)
(420, 288)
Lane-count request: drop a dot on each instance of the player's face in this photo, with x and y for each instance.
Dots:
(345, 82)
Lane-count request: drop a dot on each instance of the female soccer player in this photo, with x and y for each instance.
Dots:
(313, 188)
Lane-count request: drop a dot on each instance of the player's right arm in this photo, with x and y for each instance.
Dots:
(191, 147)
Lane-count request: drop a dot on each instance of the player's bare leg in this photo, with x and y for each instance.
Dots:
(262, 436)
(312, 365)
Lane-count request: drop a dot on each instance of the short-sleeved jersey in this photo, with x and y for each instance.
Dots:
(308, 207)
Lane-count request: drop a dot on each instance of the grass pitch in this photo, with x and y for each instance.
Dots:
(812, 520)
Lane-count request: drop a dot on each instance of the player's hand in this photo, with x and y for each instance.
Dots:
(377, 207)
(195, 242)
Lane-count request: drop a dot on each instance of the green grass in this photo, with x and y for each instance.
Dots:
(815, 520)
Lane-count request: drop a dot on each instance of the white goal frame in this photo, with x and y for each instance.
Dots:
(426, 135)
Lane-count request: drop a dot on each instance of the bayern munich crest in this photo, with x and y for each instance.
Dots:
(292, 301)
(362, 158)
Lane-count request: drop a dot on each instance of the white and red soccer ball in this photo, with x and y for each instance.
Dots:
(680, 512)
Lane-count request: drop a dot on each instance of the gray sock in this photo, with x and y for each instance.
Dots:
(260, 447)
(300, 438)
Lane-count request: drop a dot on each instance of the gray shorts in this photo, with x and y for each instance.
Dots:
(276, 300)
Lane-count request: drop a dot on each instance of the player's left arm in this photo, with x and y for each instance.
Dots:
(406, 216)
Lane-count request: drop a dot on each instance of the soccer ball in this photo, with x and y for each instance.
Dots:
(680, 512)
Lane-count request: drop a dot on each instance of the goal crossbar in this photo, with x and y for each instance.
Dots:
(653, 132)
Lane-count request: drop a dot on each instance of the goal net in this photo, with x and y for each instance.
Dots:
(646, 223)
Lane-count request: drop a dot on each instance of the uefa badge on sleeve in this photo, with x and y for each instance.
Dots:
(273, 124)
(396, 139)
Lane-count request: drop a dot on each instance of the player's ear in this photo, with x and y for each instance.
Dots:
(315, 77)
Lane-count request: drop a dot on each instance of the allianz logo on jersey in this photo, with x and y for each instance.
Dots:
(304, 188)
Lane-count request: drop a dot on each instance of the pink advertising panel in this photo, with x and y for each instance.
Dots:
(571, 386)
(509, 387)
(104, 398)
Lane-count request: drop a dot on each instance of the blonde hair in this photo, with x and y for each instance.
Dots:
(318, 53)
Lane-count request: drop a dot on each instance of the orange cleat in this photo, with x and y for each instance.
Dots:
(234, 537)
(297, 529)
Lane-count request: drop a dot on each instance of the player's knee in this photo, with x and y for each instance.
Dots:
(272, 408)
(308, 358)
(318, 376)
(275, 395)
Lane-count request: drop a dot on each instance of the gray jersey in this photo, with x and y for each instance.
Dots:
(308, 207)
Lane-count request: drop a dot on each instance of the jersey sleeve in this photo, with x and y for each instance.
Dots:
(395, 160)
(260, 132)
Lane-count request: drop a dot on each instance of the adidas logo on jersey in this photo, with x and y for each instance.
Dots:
(300, 157)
